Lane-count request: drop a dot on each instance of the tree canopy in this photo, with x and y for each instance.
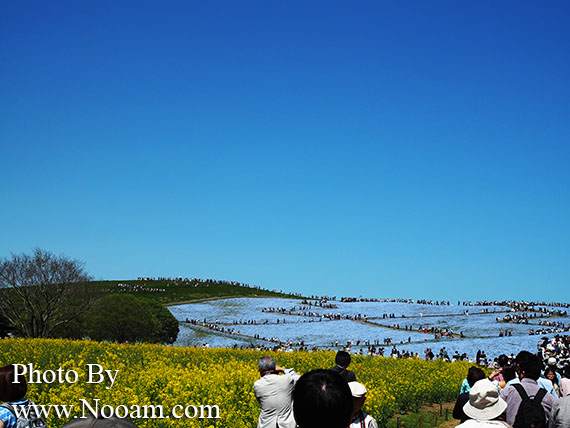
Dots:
(125, 318)
(41, 292)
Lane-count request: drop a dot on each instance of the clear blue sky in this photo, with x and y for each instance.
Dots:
(387, 149)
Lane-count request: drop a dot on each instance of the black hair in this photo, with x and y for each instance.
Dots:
(9, 390)
(342, 359)
(503, 360)
(322, 399)
(529, 364)
(509, 372)
(551, 370)
(474, 374)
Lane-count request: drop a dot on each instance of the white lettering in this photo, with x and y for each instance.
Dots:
(94, 411)
(186, 411)
(91, 373)
(121, 411)
(175, 411)
(111, 378)
(202, 407)
(18, 373)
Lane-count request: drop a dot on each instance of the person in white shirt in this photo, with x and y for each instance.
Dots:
(275, 394)
(360, 419)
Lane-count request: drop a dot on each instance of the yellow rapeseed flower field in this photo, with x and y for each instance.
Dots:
(189, 380)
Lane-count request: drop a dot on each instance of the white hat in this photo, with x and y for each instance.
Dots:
(484, 401)
(357, 389)
(552, 361)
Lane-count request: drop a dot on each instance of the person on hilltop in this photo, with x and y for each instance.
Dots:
(322, 399)
(485, 407)
(14, 396)
(274, 393)
(522, 398)
(359, 418)
(342, 361)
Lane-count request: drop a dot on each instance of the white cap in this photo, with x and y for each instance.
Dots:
(357, 389)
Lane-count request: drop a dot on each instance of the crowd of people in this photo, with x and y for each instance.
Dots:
(205, 282)
(134, 288)
(522, 318)
(307, 312)
(526, 390)
(323, 303)
(331, 398)
(547, 330)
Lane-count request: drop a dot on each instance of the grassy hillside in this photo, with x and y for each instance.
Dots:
(176, 291)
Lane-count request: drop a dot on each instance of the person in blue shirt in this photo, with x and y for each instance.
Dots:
(13, 394)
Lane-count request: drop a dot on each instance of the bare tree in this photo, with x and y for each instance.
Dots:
(40, 292)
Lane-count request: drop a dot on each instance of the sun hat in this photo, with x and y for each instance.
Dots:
(484, 401)
(357, 389)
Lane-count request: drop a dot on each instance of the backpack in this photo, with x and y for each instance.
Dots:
(32, 421)
(531, 414)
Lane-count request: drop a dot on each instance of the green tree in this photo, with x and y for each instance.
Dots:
(125, 318)
(42, 292)
(167, 325)
(121, 318)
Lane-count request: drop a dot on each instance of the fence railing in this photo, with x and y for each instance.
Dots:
(437, 416)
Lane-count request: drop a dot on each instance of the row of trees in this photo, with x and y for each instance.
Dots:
(44, 295)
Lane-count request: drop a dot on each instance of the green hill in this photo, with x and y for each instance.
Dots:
(173, 291)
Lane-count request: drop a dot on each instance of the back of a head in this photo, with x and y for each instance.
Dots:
(100, 422)
(342, 359)
(322, 399)
(503, 360)
(266, 364)
(509, 372)
(474, 374)
(529, 364)
(11, 391)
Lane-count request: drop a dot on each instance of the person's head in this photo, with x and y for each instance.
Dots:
(503, 360)
(484, 401)
(342, 359)
(9, 390)
(551, 362)
(567, 371)
(528, 365)
(509, 372)
(474, 374)
(550, 374)
(266, 365)
(322, 399)
(358, 392)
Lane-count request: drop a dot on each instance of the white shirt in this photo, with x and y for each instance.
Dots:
(274, 393)
(369, 421)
